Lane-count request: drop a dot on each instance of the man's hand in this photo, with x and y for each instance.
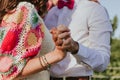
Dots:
(63, 40)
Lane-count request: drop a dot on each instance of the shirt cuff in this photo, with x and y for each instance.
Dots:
(82, 52)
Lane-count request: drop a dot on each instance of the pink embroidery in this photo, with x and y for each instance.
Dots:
(16, 45)
(5, 63)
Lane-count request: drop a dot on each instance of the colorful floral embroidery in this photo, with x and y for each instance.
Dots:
(21, 35)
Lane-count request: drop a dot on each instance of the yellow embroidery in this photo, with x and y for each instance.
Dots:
(16, 17)
(31, 39)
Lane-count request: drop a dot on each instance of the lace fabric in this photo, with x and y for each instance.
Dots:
(21, 35)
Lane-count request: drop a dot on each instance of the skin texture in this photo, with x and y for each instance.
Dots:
(63, 40)
(52, 57)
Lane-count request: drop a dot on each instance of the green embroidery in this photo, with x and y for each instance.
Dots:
(34, 18)
(1, 34)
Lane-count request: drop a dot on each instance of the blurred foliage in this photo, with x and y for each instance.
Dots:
(113, 70)
(114, 23)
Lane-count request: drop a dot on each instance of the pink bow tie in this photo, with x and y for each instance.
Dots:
(69, 4)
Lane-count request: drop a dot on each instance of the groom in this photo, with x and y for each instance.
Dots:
(84, 33)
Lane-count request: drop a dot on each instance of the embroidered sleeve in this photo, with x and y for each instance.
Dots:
(21, 35)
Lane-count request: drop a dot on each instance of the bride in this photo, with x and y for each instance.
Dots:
(25, 40)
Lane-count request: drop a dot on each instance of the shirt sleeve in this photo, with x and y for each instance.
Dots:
(97, 54)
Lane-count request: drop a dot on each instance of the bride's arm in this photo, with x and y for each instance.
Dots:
(36, 64)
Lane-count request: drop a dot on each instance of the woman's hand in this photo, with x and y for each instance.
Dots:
(63, 40)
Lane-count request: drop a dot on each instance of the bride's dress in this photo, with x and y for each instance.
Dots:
(23, 35)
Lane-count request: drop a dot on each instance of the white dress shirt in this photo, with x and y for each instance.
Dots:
(90, 26)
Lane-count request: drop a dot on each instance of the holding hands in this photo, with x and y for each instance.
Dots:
(63, 40)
